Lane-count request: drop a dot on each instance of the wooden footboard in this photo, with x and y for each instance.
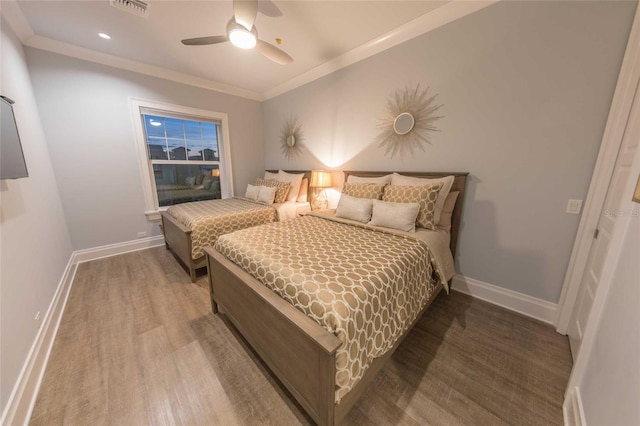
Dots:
(298, 350)
(177, 238)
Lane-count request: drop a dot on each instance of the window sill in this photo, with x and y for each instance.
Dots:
(153, 215)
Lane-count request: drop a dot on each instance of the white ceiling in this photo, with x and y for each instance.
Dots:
(314, 33)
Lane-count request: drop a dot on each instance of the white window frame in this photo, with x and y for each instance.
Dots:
(152, 208)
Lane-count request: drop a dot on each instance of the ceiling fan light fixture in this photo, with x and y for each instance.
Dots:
(242, 38)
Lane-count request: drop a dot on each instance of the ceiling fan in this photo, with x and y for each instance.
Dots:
(242, 33)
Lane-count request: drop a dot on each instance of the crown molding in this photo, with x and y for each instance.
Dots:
(15, 18)
(443, 15)
(78, 52)
(19, 24)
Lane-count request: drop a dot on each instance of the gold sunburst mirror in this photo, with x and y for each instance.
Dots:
(291, 139)
(408, 121)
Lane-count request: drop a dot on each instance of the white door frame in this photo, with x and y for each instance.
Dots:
(612, 139)
(572, 407)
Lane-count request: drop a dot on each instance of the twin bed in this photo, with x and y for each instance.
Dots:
(325, 300)
(190, 227)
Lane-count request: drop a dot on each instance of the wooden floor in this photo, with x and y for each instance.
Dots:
(138, 345)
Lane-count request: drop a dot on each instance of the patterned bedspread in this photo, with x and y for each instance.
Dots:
(364, 285)
(208, 220)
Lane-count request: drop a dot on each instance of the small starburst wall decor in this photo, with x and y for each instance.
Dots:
(408, 122)
(291, 139)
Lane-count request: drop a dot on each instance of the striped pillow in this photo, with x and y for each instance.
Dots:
(282, 188)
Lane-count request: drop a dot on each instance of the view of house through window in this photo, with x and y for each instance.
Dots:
(184, 156)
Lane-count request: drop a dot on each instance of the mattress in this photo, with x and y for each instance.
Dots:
(365, 285)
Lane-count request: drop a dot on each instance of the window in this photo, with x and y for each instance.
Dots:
(183, 153)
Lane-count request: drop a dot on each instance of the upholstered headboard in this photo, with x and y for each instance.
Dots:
(459, 183)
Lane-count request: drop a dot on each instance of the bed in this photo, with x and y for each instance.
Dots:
(189, 227)
(320, 372)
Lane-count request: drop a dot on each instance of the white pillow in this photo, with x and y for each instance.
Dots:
(385, 180)
(401, 216)
(252, 192)
(269, 175)
(295, 179)
(267, 194)
(447, 182)
(354, 208)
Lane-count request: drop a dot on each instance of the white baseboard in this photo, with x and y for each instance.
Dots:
(86, 255)
(23, 397)
(509, 299)
(572, 409)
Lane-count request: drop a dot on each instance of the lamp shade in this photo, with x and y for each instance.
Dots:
(320, 179)
(215, 172)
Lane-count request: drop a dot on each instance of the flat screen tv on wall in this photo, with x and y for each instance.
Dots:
(12, 164)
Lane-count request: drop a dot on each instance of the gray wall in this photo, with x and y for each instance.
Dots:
(526, 89)
(85, 113)
(34, 243)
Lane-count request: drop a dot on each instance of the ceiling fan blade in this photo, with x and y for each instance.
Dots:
(273, 53)
(201, 41)
(269, 8)
(244, 12)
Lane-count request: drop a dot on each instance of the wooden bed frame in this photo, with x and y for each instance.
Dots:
(299, 351)
(177, 237)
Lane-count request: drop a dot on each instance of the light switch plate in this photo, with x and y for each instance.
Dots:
(574, 206)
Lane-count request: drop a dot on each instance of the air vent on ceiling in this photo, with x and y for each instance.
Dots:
(135, 7)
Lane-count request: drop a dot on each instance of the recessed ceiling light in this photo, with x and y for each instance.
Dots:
(154, 122)
(105, 36)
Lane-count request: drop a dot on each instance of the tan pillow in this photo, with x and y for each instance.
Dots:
(447, 181)
(372, 191)
(282, 188)
(304, 189)
(447, 211)
(426, 196)
(386, 179)
(401, 216)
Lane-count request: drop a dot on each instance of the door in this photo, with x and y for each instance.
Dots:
(602, 236)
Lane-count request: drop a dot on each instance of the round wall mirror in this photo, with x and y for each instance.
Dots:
(291, 140)
(403, 123)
